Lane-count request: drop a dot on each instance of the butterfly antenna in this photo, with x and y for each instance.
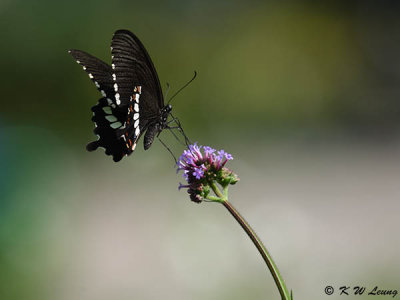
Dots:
(173, 96)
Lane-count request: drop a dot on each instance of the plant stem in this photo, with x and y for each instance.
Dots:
(217, 192)
(261, 248)
(223, 198)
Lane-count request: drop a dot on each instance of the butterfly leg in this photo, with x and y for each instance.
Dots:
(169, 150)
(179, 127)
(175, 136)
(187, 141)
(172, 132)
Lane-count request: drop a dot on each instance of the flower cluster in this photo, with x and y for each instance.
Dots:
(202, 170)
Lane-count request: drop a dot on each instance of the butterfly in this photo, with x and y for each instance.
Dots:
(132, 104)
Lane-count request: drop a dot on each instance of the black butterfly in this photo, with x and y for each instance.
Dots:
(132, 101)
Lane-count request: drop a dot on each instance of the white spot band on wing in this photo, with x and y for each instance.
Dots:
(107, 110)
(111, 118)
(117, 98)
(116, 125)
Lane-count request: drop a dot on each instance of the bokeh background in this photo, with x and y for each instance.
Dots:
(305, 95)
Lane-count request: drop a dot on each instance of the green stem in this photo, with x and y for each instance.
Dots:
(213, 198)
(261, 248)
(218, 192)
(255, 239)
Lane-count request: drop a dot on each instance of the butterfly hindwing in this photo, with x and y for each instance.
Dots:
(118, 129)
(107, 120)
(106, 114)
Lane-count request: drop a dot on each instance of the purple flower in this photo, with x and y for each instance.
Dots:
(181, 186)
(200, 169)
(228, 156)
(221, 154)
(195, 151)
(186, 175)
(198, 172)
(208, 150)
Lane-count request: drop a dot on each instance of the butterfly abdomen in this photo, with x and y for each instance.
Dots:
(150, 134)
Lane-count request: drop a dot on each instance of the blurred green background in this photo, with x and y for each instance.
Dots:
(305, 95)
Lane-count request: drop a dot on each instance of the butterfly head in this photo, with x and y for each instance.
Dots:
(168, 108)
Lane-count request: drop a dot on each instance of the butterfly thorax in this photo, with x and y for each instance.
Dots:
(164, 115)
(154, 129)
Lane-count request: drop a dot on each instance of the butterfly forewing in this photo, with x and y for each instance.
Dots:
(99, 72)
(133, 67)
